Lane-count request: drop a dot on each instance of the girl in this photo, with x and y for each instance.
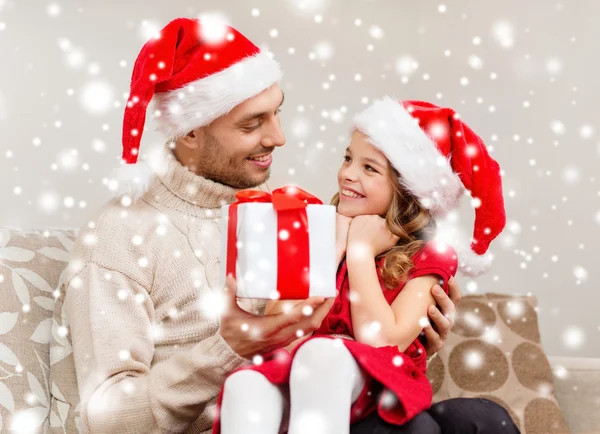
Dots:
(396, 178)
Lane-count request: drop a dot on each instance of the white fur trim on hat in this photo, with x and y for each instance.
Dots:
(469, 262)
(208, 98)
(424, 170)
(131, 180)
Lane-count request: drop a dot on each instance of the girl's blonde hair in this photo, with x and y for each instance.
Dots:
(411, 222)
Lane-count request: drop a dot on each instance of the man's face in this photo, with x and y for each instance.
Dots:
(236, 148)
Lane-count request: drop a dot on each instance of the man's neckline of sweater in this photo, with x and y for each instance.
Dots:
(192, 188)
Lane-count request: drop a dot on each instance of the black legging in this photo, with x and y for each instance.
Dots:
(452, 416)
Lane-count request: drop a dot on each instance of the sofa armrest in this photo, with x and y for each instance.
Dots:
(577, 382)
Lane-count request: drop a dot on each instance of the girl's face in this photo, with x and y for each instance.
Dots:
(364, 182)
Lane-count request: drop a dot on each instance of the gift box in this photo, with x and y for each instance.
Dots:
(279, 245)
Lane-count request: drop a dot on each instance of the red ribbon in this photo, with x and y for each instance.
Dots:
(293, 259)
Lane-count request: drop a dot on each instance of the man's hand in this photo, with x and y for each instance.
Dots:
(249, 335)
(444, 320)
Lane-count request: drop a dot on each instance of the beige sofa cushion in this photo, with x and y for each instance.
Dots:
(30, 266)
(494, 352)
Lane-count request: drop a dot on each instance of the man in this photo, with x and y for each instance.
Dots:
(143, 295)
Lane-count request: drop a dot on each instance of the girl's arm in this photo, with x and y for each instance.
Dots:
(377, 323)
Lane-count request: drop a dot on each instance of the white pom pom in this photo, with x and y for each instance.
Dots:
(131, 180)
(470, 263)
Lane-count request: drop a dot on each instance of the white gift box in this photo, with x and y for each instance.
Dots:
(262, 263)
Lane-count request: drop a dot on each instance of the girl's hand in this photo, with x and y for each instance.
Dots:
(369, 236)
(342, 226)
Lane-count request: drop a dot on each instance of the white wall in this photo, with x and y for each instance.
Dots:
(546, 73)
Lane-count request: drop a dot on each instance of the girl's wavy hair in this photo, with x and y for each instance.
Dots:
(411, 222)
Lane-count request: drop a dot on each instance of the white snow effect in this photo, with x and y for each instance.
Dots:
(75, 57)
(472, 319)
(371, 330)
(68, 159)
(515, 309)
(337, 116)
(561, 372)
(573, 337)
(68, 202)
(54, 9)
(149, 29)
(571, 175)
(475, 62)
(309, 7)
(376, 32)
(471, 286)
(212, 304)
(28, 421)
(504, 34)
(514, 227)
(554, 66)
(307, 310)
(558, 128)
(99, 146)
(213, 28)
(406, 65)
(474, 359)
(388, 399)
(580, 273)
(97, 97)
(586, 131)
(48, 202)
(492, 336)
(323, 50)
(300, 128)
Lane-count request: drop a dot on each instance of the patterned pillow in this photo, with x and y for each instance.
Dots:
(31, 264)
(494, 352)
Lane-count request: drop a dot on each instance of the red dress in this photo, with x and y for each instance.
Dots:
(396, 384)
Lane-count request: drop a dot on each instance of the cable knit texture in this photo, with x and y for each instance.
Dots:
(140, 308)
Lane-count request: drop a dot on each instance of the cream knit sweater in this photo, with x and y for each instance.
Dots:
(140, 303)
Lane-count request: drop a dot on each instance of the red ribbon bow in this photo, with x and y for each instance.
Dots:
(293, 258)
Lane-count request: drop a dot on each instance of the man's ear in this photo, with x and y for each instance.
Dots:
(192, 139)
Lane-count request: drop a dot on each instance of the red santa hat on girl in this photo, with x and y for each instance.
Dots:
(195, 71)
(438, 156)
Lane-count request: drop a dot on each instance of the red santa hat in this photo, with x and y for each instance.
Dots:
(438, 156)
(195, 70)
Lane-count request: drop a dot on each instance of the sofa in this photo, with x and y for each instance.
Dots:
(494, 351)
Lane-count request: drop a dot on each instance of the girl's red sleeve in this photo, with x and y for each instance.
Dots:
(435, 258)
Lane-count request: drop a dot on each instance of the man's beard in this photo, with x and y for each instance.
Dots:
(217, 166)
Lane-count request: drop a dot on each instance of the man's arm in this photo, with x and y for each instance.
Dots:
(113, 348)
